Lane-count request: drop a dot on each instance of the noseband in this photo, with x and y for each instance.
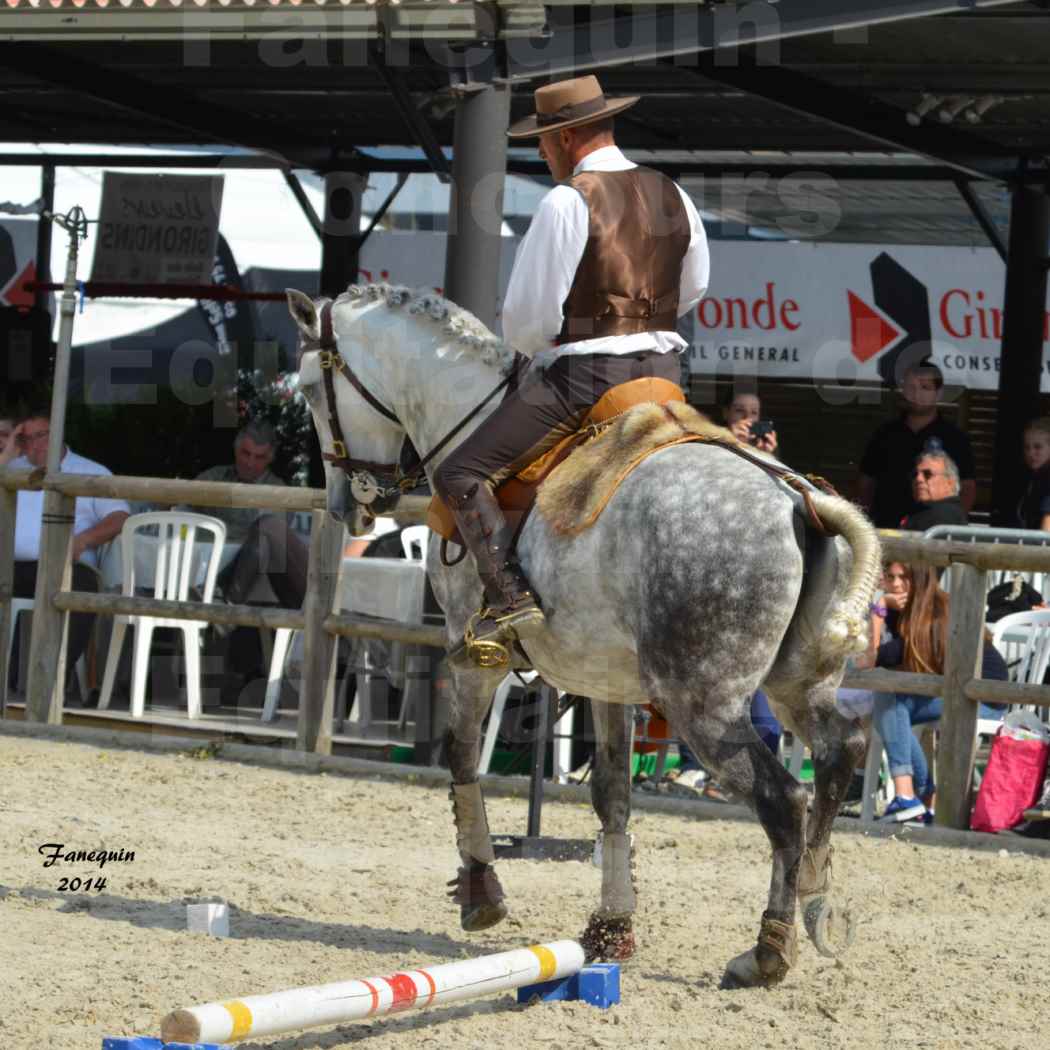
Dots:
(379, 484)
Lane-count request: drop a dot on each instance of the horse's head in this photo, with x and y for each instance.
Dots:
(361, 441)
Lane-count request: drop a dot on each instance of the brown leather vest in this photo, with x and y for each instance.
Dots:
(628, 279)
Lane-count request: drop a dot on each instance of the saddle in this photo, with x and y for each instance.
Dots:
(517, 495)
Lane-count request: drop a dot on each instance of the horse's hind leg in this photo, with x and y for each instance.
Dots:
(837, 744)
(476, 889)
(720, 732)
(609, 934)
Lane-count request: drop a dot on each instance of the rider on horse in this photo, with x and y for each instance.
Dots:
(615, 254)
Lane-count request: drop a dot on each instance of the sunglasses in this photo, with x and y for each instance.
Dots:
(927, 474)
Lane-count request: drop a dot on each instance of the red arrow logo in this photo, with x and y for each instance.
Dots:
(869, 331)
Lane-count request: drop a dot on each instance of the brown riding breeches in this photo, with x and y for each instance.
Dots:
(547, 406)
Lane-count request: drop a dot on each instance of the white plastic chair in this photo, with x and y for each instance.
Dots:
(562, 742)
(414, 540)
(188, 549)
(985, 534)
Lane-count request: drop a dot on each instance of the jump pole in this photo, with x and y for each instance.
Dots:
(545, 966)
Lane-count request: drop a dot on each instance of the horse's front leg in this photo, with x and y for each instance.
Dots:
(609, 934)
(476, 889)
(837, 744)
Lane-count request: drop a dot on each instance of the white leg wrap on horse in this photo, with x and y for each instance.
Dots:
(618, 897)
(472, 827)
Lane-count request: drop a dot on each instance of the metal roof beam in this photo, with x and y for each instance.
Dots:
(170, 106)
(861, 114)
(869, 170)
(678, 31)
(981, 214)
(414, 120)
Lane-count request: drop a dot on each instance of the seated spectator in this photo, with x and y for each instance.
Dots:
(935, 489)
(1033, 512)
(97, 521)
(909, 631)
(884, 483)
(269, 546)
(741, 413)
(7, 427)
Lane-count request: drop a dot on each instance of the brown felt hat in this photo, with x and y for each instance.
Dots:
(568, 104)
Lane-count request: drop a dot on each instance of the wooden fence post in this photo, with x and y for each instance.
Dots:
(317, 691)
(46, 689)
(958, 739)
(8, 506)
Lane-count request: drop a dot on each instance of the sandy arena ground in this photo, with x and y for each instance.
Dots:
(331, 877)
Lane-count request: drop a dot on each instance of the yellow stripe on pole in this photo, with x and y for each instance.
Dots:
(548, 962)
(241, 1017)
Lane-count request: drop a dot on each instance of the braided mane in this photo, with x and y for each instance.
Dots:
(468, 334)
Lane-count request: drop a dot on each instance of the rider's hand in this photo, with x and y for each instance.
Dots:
(895, 601)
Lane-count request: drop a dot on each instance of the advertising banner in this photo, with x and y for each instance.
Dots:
(157, 229)
(851, 312)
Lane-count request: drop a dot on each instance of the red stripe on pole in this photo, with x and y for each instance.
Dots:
(404, 989)
(375, 996)
(430, 982)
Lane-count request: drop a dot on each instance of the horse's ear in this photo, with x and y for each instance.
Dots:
(304, 313)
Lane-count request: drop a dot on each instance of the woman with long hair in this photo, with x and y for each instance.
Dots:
(910, 630)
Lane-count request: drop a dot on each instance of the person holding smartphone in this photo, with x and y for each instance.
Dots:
(743, 416)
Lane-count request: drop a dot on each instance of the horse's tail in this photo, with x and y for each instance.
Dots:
(846, 628)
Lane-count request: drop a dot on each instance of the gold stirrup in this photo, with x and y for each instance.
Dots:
(483, 652)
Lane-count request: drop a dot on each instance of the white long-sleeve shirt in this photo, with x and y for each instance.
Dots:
(549, 256)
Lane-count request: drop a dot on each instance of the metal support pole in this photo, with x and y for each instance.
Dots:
(340, 237)
(479, 163)
(340, 245)
(45, 690)
(548, 698)
(1021, 366)
(43, 233)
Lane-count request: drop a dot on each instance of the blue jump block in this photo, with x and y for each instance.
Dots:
(145, 1042)
(597, 984)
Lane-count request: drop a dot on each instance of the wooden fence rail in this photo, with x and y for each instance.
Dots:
(322, 622)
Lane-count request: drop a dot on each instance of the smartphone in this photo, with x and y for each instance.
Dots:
(760, 429)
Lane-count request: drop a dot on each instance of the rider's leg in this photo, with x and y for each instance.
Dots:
(549, 404)
(529, 422)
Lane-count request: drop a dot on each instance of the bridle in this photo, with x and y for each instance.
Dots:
(374, 485)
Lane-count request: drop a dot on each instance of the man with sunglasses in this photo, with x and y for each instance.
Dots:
(935, 488)
(97, 521)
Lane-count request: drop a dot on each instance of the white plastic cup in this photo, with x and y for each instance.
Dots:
(213, 919)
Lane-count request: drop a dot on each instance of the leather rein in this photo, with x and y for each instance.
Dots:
(363, 473)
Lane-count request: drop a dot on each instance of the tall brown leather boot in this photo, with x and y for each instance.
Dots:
(510, 610)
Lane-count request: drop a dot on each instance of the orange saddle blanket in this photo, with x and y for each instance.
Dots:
(517, 494)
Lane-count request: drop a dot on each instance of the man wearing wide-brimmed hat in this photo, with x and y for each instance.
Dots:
(613, 257)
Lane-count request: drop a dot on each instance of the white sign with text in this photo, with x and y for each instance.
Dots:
(157, 229)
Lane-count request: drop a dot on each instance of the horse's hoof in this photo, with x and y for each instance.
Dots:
(756, 968)
(478, 917)
(830, 926)
(608, 939)
(769, 961)
(478, 893)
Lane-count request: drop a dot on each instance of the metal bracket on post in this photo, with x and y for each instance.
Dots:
(531, 845)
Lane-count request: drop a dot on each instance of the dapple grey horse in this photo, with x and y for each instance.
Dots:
(700, 582)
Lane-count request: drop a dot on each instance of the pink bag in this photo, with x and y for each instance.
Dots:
(1012, 782)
